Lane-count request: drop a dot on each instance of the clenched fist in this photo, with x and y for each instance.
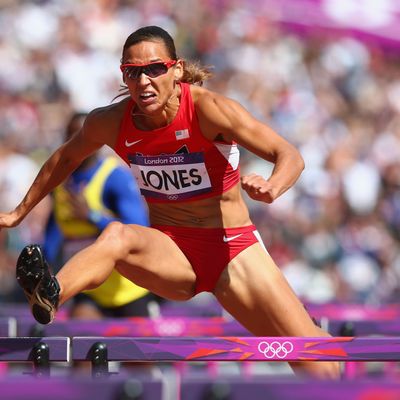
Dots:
(258, 188)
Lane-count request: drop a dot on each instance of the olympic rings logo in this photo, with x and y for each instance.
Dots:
(172, 197)
(275, 349)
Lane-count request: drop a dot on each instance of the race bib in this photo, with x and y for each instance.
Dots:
(171, 176)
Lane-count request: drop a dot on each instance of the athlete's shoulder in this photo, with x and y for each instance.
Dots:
(216, 112)
(202, 96)
(210, 103)
(107, 113)
(104, 122)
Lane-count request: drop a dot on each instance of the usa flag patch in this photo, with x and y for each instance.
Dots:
(182, 134)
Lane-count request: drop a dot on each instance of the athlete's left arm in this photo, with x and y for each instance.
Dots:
(219, 115)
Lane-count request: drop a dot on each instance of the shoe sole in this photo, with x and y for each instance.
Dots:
(42, 311)
(27, 279)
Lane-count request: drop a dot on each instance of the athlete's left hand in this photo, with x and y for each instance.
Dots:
(9, 220)
(258, 188)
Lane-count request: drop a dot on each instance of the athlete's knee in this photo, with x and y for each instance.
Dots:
(119, 237)
(113, 231)
(186, 292)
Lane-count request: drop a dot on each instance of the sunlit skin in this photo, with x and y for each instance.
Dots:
(251, 288)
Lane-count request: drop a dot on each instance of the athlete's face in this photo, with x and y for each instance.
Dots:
(151, 85)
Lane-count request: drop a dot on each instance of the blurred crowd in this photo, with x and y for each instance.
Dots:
(335, 235)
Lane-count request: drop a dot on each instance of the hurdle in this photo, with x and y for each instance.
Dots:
(22, 310)
(354, 312)
(14, 310)
(100, 350)
(39, 351)
(363, 327)
(337, 311)
(175, 326)
(135, 326)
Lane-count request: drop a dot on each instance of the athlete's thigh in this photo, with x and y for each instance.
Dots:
(157, 264)
(256, 293)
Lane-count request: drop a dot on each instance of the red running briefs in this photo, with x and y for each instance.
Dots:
(209, 250)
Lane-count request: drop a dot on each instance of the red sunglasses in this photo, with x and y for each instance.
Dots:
(152, 70)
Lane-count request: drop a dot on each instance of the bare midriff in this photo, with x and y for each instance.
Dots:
(227, 210)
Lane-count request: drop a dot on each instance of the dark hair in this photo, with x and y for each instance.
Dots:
(151, 34)
(193, 73)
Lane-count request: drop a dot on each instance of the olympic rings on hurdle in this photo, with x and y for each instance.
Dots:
(275, 349)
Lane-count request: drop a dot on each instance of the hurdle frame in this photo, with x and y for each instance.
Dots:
(100, 350)
(39, 351)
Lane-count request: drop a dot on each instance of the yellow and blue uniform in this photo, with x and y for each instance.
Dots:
(111, 194)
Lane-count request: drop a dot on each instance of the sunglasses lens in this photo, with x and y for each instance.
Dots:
(154, 70)
(133, 72)
(151, 70)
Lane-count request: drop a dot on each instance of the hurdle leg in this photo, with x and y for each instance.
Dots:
(99, 360)
(41, 360)
(37, 351)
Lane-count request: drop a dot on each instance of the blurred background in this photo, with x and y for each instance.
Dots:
(325, 74)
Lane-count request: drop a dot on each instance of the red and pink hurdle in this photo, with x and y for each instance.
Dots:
(101, 350)
(239, 348)
(159, 349)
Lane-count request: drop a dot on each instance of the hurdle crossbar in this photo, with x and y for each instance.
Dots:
(363, 327)
(39, 351)
(236, 348)
(22, 348)
(176, 327)
(137, 326)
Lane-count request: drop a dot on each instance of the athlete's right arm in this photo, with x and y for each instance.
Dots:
(58, 167)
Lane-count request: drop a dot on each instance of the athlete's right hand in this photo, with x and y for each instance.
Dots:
(9, 220)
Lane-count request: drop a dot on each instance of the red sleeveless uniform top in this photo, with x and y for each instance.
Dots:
(176, 162)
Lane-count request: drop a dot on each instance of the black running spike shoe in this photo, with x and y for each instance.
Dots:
(41, 288)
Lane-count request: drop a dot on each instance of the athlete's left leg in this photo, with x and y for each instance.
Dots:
(255, 292)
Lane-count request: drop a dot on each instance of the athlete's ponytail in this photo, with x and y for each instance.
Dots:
(194, 73)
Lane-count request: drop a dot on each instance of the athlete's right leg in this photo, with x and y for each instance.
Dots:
(144, 255)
